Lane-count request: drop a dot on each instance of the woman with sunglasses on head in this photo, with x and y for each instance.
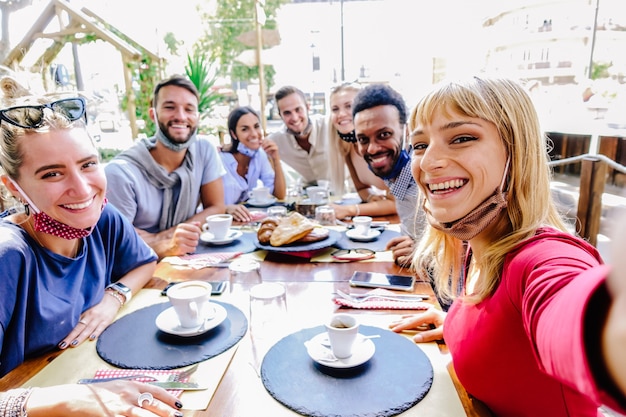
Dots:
(68, 261)
(537, 323)
(249, 159)
(376, 200)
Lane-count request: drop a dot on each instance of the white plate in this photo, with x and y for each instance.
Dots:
(318, 350)
(265, 203)
(207, 237)
(371, 235)
(167, 321)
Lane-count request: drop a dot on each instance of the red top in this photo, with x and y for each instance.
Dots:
(522, 351)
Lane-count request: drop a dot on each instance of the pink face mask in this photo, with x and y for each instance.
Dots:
(477, 220)
(46, 224)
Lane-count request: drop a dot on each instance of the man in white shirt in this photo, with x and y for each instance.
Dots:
(303, 141)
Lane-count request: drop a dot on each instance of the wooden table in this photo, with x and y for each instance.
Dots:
(309, 297)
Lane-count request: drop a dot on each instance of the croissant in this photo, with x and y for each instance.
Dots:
(266, 229)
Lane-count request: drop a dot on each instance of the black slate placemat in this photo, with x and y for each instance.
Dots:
(397, 377)
(135, 342)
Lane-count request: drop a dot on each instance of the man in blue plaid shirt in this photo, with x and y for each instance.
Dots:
(380, 117)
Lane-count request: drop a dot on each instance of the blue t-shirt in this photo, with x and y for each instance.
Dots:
(43, 293)
(236, 188)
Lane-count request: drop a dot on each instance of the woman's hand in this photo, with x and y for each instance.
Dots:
(92, 322)
(428, 324)
(271, 149)
(401, 248)
(239, 212)
(114, 398)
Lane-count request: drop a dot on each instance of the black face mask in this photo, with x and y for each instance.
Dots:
(347, 137)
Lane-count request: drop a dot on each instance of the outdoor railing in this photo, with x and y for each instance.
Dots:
(592, 181)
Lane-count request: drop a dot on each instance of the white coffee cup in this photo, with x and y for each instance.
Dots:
(316, 194)
(342, 332)
(191, 301)
(362, 225)
(260, 194)
(218, 225)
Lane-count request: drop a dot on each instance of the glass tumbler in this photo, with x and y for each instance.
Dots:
(325, 215)
(268, 318)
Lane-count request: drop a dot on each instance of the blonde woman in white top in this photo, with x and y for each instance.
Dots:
(371, 189)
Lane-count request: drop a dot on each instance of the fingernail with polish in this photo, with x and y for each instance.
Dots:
(178, 404)
(92, 337)
(178, 414)
(74, 342)
(62, 345)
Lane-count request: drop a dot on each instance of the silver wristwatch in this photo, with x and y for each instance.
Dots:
(121, 289)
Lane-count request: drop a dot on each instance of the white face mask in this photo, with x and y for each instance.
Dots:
(477, 220)
(46, 224)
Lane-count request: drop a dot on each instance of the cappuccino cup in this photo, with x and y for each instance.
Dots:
(191, 302)
(218, 225)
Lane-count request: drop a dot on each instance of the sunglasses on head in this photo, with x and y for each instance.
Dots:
(31, 117)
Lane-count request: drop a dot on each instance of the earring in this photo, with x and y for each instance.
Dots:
(27, 209)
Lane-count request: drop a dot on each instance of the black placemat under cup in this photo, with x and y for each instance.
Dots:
(244, 244)
(377, 245)
(396, 378)
(135, 342)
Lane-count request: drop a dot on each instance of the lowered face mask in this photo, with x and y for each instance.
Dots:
(46, 224)
(477, 220)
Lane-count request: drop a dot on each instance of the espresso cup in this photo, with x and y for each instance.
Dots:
(362, 225)
(218, 225)
(260, 194)
(191, 302)
(342, 332)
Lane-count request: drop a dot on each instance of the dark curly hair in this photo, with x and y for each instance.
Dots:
(379, 95)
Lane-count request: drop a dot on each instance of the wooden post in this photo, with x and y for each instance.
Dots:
(592, 179)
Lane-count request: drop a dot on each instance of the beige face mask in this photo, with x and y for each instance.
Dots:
(474, 222)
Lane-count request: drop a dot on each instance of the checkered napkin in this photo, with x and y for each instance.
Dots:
(160, 374)
(200, 260)
(382, 303)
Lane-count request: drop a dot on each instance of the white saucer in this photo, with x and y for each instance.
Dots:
(318, 350)
(371, 235)
(264, 203)
(168, 322)
(207, 237)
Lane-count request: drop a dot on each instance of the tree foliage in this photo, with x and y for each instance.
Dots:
(231, 19)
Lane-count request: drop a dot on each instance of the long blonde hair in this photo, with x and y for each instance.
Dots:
(340, 150)
(530, 206)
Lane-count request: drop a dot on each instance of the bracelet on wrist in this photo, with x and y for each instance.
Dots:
(357, 210)
(120, 299)
(13, 403)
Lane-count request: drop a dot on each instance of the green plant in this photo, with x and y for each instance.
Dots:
(202, 75)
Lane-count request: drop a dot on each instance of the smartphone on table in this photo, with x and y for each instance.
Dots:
(217, 287)
(381, 280)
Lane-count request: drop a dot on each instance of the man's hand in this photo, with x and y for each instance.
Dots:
(185, 239)
(402, 250)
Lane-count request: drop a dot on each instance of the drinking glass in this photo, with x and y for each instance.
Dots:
(268, 318)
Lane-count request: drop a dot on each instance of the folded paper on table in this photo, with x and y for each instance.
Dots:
(200, 260)
(83, 362)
